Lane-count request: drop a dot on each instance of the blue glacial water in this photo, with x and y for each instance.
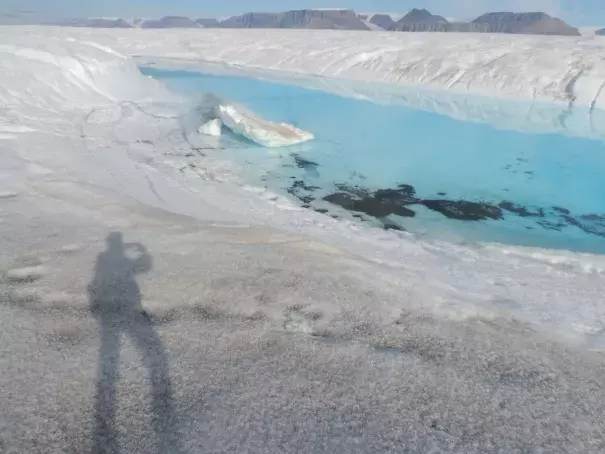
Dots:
(462, 181)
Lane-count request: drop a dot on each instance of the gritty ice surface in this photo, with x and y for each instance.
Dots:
(252, 324)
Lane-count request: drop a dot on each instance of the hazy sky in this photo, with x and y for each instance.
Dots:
(578, 12)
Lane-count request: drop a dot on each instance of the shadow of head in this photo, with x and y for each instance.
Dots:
(121, 256)
(115, 241)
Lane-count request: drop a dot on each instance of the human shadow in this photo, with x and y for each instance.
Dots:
(115, 300)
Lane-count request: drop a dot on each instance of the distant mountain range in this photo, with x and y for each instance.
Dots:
(516, 23)
(307, 18)
(416, 20)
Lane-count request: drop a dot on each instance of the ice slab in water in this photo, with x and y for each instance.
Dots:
(213, 112)
(262, 132)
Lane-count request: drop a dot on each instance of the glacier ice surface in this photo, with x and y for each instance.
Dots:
(99, 147)
(569, 70)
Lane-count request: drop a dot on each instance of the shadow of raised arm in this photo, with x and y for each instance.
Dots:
(143, 263)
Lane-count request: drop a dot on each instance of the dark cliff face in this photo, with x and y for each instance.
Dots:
(170, 22)
(516, 23)
(420, 20)
(422, 15)
(382, 20)
(208, 23)
(329, 19)
(525, 23)
(252, 20)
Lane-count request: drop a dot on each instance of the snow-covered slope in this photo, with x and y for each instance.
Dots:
(65, 75)
(564, 69)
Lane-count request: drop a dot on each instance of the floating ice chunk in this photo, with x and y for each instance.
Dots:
(262, 132)
(213, 112)
(211, 128)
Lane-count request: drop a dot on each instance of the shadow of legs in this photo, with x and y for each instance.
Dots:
(156, 361)
(105, 437)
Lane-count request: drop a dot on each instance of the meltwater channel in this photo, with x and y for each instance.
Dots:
(432, 175)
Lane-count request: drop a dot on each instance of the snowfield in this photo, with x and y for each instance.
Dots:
(567, 73)
(269, 327)
(550, 68)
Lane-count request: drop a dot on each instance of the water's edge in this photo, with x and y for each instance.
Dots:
(326, 175)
